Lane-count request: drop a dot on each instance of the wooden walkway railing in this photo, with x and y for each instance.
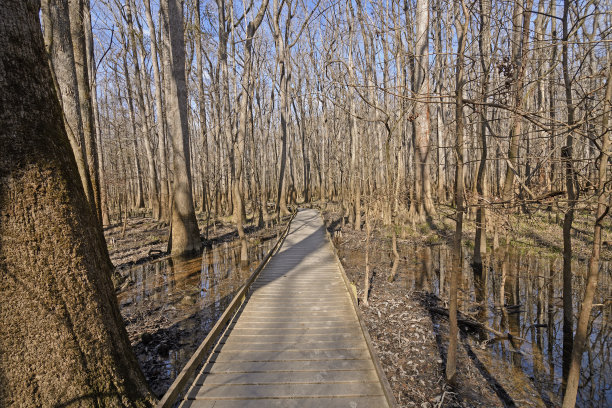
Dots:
(297, 341)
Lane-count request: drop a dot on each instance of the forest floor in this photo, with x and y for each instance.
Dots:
(165, 313)
(144, 239)
(411, 342)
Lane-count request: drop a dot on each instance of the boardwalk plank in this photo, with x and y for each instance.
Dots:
(288, 366)
(338, 402)
(285, 391)
(300, 377)
(297, 341)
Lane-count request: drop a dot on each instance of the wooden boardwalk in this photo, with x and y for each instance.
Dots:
(297, 340)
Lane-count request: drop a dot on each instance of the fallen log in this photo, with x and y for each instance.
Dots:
(474, 324)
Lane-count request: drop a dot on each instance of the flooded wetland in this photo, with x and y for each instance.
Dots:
(511, 313)
(169, 305)
(521, 294)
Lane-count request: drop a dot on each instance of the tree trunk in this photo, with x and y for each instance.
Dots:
(425, 207)
(484, 41)
(603, 207)
(77, 30)
(56, 290)
(354, 177)
(161, 142)
(58, 41)
(185, 234)
(239, 144)
(462, 30)
(521, 23)
(567, 152)
(139, 203)
(91, 67)
(154, 202)
(202, 109)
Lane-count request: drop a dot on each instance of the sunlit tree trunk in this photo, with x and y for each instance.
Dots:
(185, 235)
(239, 143)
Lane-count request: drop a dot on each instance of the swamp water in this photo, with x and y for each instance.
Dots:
(531, 288)
(170, 305)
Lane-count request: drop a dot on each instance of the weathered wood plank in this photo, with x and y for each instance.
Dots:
(292, 338)
(297, 342)
(277, 346)
(285, 391)
(299, 377)
(287, 366)
(338, 402)
(290, 355)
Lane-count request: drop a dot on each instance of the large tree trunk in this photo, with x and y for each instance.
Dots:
(283, 58)
(62, 340)
(185, 235)
(139, 202)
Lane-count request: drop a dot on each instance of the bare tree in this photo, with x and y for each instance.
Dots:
(185, 235)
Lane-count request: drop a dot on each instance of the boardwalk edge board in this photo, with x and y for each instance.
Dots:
(377, 365)
(171, 396)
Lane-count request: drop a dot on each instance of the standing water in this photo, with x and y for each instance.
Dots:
(170, 305)
(521, 293)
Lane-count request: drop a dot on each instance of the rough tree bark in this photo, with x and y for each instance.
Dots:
(56, 291)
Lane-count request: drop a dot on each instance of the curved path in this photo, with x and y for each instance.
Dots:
(297, 340)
